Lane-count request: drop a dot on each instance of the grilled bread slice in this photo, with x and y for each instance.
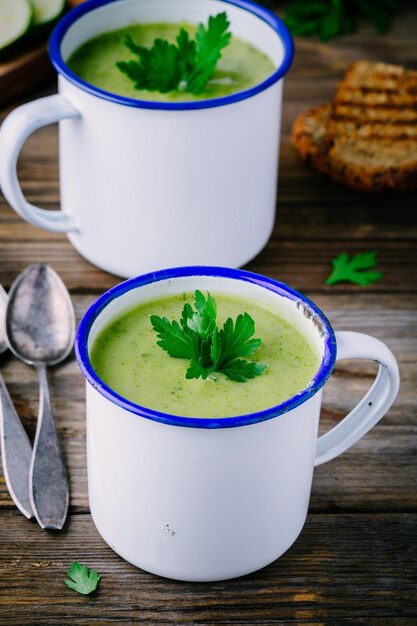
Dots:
(308, 136)
(371, 133)
(367, 137)
(378, 84)
(366, 114)
(374, 164)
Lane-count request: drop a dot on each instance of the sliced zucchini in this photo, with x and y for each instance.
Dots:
(46, 11)
(15, 19)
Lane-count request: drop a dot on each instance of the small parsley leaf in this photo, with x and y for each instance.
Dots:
(233, 340)
(186, 66)
(354, 269)
(240, 370)
(210, 349)
(203, 321)
(81, 579)
(164, 68)
(209, 43)
(179, 341)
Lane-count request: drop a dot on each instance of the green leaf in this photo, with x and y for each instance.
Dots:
(164, 66)
(302, 28)
(178, 342)
(209, 43)
(138, 72)
(210, 349)
(140, 51)
(307, 9)
(186, 66)
(234, 341)
(81, 579)
(354, 269)
(135, 72)
(379, 12)
(195, 370)
(240, 370)
(186, 55)
(203, 321)
(331, 18)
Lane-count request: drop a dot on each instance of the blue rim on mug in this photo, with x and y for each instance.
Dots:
(321, 376)
(261, 12)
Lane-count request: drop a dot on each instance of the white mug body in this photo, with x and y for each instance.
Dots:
(147, 185)
(199, 504)
(204, 499)
(154, 188)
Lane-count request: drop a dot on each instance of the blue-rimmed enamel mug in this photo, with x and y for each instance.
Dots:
(211, 499)
(146, 185)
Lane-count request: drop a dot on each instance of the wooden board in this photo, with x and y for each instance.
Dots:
(29, 69)
(355, 561)
(21, 74)
(342, 571)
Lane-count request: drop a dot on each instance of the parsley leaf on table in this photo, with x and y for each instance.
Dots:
(354, 269)
(325, 18)
(380, 12)
(196, 337)
(186, 66)
(81, 579)
(330, 18)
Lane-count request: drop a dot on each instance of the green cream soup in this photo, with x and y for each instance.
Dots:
(126, 357)
(241, 66)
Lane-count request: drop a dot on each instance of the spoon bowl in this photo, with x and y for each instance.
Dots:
(40, 330)
(40, 321)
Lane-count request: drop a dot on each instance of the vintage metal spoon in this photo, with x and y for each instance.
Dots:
(40, 328)
(16, 451)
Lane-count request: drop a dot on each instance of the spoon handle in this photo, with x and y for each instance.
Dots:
(48, 484)
(16, 452)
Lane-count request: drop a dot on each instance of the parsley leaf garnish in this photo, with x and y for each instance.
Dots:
(81, 579)
(196, 337)
(353, 269)
(186, 66)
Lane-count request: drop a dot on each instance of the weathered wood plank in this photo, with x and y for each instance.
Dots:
(301, 199)
(316, 218)
(304, 265)
(344, 567)
(379, 472)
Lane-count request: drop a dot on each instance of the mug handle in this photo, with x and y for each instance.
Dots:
(14, 131)
(373, 405)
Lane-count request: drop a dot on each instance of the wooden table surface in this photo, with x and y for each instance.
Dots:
(355, 561)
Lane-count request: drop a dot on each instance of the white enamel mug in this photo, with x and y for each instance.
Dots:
(211, 499)
(146, 185)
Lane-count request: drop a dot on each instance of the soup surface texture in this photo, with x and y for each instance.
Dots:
(242, 65)
(127, 358)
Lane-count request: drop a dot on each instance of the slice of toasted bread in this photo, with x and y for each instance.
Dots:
(378, 84)
(361, 113)
(371, 141)
(374, 164)
(357, 109)
(367, 137)
(308, 136)
(351, 127)
(379, 76)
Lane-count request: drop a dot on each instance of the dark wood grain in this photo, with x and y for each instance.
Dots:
(341, 570)
(27, 69)
(358, 480)
(355, 561)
